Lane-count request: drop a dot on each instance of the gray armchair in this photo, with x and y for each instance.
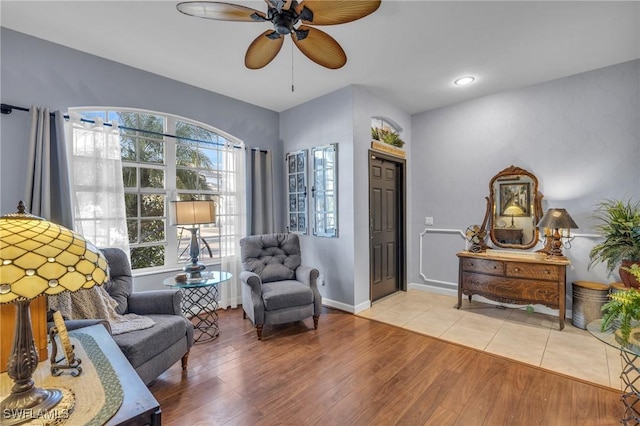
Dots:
(276, 288)
(152, 350)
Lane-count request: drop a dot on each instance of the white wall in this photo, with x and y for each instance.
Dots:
(579, 135)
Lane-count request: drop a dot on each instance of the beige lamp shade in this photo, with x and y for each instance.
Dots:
(39, 257)
(193, 212)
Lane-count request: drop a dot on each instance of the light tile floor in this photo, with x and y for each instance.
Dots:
(532, 338)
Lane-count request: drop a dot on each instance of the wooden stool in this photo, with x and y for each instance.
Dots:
(588, 300)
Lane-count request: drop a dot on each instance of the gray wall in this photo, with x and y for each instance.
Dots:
(343, 116)
(37, 72)
(56, 77)
(365, 106)
(328, 119)
(579, 135)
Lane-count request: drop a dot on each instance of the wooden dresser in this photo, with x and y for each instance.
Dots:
(518, 279)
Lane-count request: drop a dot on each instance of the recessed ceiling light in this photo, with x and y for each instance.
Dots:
(463, 81)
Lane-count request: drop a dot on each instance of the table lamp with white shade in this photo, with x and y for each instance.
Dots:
(188, 214)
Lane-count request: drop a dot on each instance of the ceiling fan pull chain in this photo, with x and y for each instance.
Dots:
(292, 88)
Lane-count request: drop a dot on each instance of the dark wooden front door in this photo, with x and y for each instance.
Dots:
(386, 219)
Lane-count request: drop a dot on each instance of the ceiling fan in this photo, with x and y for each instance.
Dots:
(316, 45)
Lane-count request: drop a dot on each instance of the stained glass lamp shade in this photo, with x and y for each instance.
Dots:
(38, 257)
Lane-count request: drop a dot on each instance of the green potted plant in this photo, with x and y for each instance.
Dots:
(622, 312)
(619, 224)
(387, 136)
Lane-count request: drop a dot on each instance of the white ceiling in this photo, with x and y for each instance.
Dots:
(407, 52)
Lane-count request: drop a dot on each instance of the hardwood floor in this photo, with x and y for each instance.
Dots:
(355, 371)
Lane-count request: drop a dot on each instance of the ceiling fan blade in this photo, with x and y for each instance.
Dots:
(336, 11)
(319, 46)
(263, 49)
(220, 11)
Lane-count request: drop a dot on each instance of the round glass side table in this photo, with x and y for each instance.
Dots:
(200, 302)
(630, 372)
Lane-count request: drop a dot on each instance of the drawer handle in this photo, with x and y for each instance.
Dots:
(516, 269)
(495, 267)
(546, 271)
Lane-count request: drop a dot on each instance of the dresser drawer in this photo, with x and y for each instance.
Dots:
(532, 270)
(485, 266)
(511, 290)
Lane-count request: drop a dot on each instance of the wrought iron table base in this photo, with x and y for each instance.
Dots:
(199, 304)
(630, 394)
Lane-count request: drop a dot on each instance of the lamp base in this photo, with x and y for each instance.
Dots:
(194, 269)
(21, 407)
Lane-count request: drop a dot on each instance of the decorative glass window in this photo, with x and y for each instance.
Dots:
(297, 191)
(325, 190)
(385, 125)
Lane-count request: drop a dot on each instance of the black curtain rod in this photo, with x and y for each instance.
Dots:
(8, 109)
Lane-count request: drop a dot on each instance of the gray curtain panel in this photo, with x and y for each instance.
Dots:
(48, 192)
(260, 212)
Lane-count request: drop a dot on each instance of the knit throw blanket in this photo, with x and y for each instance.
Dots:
(95, 302)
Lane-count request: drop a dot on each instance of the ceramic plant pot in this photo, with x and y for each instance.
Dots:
(627, 278)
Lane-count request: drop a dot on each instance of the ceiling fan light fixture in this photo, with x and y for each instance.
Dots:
(285, 15)
(464, 81)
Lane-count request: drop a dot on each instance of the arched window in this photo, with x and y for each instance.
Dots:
(166, 158)
(385, 124)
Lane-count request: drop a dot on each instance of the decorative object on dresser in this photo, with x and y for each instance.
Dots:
(619, 225)
(476, 235)
(557, 221)
(514, 198)
(511, 277)
(192, 213)
(38, 257)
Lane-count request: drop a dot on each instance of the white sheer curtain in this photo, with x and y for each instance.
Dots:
(232, 220)
(96, 181)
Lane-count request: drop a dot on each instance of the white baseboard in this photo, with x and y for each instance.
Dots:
(343, 306)
(446, 289)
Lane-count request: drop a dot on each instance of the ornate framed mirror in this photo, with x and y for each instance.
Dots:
(514, 208)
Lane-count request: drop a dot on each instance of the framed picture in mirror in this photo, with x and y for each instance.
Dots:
(515, 199)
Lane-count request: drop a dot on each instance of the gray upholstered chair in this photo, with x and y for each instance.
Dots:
(152, 350)
(276, 288)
